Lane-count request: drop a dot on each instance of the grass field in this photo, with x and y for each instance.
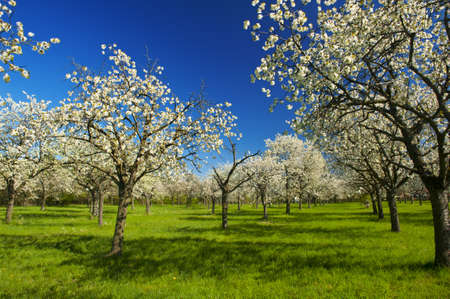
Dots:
(337, 251)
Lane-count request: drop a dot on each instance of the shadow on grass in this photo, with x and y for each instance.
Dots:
(278, 216)
(58, 213)
(151, 258)
(202, 218)
(267, 229)
(51, 215)
(64, 242)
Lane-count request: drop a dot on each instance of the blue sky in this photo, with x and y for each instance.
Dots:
(194, 40)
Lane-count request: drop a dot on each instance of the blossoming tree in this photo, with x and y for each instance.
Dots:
(302, 166)
(51, 183)
(228, 179)
(265, 173)
(27, 135)
(388, 58)
(131, 117)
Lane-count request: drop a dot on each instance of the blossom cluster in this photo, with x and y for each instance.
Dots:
(135, 120)
(12, 38)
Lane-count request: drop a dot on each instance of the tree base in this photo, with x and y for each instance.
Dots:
(113, 253)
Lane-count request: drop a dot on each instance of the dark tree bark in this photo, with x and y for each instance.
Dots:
(288, 188)
(374, 204)
(92, 203)
(239, 203)
(96, 203)
(395, 223)
(288, 206)
(300, 203)
(224, 210)
(213, 209)
(264, 203)
(124, 200)
(132, 203)
(11, 198)
(100, 207)
(380, 205)
(309, 203)
(439, 204)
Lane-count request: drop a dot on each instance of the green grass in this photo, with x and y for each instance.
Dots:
(336, 251)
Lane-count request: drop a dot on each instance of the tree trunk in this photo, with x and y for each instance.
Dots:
(395, 223)
(224, 210)
(147, 205)
(309, 203)
(96, 203)
(300, 203)
(264, 203)
(11, 197)
(380, 205)
(213, 208)
(92, 204)
(43, 197)
(124, 199)
(420, 200)
(439, 204)
(412, 199)
(315, 201)
(239, 203)
(132, 203)
(287, 189)
(43, 200)
(100, 208)
(288, 207)
(374, 205)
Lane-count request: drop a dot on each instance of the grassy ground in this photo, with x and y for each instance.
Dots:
(338, 251)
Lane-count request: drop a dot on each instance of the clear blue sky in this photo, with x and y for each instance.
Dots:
(194, 40)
